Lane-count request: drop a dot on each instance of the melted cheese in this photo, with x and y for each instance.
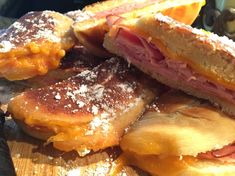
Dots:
(176, 165)
(30, 60)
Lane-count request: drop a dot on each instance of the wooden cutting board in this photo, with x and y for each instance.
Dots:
(32, 157)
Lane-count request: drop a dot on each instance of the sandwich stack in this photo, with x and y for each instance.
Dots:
(159, 129)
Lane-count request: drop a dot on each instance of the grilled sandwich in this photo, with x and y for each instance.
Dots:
(181, 135)
(89, 111)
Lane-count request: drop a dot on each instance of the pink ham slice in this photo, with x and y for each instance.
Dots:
(227, 152)
(138, 51)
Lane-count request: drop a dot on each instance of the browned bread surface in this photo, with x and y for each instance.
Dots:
(76, 60)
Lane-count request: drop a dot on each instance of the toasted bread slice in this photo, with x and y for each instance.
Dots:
(173, 133)
(34, 44)
(197, 62)
(91, 25)
(89, 111)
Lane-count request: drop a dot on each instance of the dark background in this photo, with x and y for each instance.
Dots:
(10, 10)
(17, 8)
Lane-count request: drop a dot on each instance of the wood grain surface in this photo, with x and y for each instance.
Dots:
(33, 157)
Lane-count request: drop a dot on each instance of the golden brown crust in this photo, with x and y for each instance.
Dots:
(78, 59)
(35, 44)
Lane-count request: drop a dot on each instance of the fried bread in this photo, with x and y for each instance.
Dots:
(89, 111)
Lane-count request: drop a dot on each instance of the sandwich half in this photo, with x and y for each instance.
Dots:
(90, 26)
(89, 111)
(181, 135)
(195, 61)
(35, 44)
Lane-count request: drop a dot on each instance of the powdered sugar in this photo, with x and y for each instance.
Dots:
(79, 16)
(217, 42)
(5, 46)
(95, 99)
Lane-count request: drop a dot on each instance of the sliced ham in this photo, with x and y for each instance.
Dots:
(139, 51)
(226, 153)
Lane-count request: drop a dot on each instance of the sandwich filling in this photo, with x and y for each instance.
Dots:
(140, 51)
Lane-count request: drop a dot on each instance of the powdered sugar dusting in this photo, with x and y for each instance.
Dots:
(5, 46)
(100, 95)
(79, 15)
(32, 27)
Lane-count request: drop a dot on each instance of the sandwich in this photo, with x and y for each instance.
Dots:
(87, 112)
(90, 26)
(181, 135)
(34, 44)
(197, 62)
